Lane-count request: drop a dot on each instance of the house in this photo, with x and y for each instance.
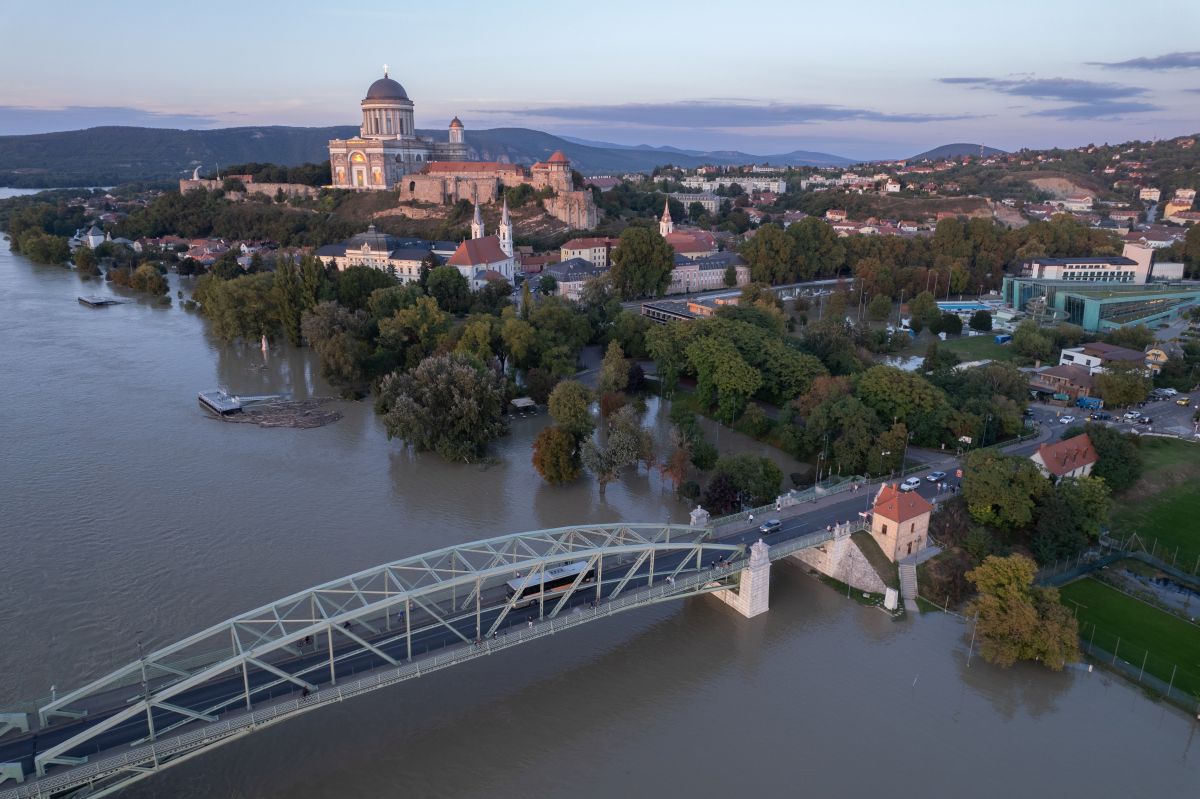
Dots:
(597, 249)
(900, 521)
(1072, 457)
(1071, 380)
(1096, 355)
(571, 276)
(482, 260)
(706, 272)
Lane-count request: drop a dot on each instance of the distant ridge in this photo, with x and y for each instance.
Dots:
(957, 150)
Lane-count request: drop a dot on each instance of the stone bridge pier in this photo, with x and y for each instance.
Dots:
(754, 584)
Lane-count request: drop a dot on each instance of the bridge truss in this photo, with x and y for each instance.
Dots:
(353, 635)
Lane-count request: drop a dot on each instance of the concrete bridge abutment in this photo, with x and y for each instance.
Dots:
(754, 584)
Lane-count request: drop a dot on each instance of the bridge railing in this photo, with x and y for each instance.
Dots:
(159, 753)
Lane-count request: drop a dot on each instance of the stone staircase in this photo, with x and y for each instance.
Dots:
(908, 581)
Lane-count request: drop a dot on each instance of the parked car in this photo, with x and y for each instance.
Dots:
(1144, 420)
(934, 477)
(1066, 419)
(1184, 401)
(1131, 415)
(1100, 416)
(1170, 392)
(911, 484)
(770, 526)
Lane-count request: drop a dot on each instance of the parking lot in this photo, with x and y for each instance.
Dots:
(1165, 415)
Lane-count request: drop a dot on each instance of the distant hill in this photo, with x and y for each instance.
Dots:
(110, 155)
(957, 150)
(682, 157)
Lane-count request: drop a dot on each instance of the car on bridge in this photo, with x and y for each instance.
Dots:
(770, 526)
(934, 477)
(911, 484)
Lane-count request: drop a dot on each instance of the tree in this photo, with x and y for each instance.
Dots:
(570, 406)
(629, 420)
(451, 290)
(981, 320)
(730, 279)
(1069, 517)
(1137, 337)
(412, 334)
(722, 376)
(642, 264)
(519, 339)
(294, 295)
(757, 479)
(239, 308)
(949, 324)
(880, 307)
(355, 284)
(149, 280)
(448, 404)
(835, 306)
(770, 255)
(608, 458)
(340, 339)
(614, 371)
(42, 248)
(675, 467)
(555, 456)
(1122, 384)
(1030, 341)
(895, 394)
(721, 494)
(1016, 620)
(1118, 461)
(925, 308)
(1001, 490)
(816, 249)
(547, 285)
(86, 263)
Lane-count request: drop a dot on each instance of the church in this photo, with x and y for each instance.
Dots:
(388, 155)
(387, 146)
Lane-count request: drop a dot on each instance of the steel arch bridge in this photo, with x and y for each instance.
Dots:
(347, 637)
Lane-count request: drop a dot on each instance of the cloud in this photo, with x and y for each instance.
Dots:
(1088, 99)
(1188, 60)
(723, 113)
(16, 120)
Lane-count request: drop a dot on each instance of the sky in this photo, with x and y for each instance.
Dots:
(863, 80)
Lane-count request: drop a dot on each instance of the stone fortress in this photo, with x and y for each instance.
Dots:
(388, 155)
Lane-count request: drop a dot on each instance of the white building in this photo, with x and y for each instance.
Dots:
(748, 182)
(1132, 266)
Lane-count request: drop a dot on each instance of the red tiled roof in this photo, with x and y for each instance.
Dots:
(478, 252)
(900, 506)
(692, 241)
(557, 158)
(589, 243)
(1066, 456)
(470, 166)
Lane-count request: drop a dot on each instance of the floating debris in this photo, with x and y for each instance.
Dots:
(299, 414)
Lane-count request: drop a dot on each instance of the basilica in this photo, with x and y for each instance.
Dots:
(388, 155)
(387, 146)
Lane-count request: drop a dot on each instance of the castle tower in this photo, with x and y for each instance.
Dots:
(477, 222)
(665, 226)
(505, 231)
(456, 131)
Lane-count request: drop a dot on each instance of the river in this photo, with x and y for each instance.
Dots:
(127, 514)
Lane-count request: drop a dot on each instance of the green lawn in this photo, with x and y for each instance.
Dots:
(1165, 641)
(1167, 516)
(979, 348)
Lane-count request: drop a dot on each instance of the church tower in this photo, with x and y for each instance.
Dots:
(505, 231)
(665, 225)
(456, 131)
(477, 222)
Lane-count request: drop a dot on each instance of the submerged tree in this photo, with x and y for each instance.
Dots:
(1017, 620)
(449, 405)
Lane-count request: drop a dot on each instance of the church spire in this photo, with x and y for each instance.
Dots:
(665, 225)
(505, 231)
(477, 222)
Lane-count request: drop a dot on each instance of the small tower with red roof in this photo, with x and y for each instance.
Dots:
(666, 225)
(900, 522)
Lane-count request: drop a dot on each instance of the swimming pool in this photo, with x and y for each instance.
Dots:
(962, 307)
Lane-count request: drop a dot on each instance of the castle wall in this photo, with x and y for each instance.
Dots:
(269, 189)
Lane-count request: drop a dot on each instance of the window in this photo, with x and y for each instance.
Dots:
(912, 528)
(884, 529)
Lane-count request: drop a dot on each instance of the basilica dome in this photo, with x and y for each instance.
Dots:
(386, 89)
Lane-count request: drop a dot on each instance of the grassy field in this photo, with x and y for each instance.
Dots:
(979, 348)
(1164, 505)
(1167, 642)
